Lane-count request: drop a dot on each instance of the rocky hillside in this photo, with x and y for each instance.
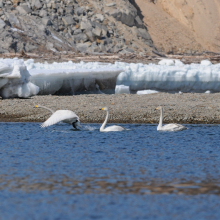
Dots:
(107, 26)
(79, 26)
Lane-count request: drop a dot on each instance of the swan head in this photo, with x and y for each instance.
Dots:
(38, 106)
(76, 124)
(159, 108)
(105, 109)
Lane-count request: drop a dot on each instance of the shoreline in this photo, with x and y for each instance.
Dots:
(186, 108)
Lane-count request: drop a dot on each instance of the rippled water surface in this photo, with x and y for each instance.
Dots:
(60, 173)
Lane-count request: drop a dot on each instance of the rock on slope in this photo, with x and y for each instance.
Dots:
(87, 26)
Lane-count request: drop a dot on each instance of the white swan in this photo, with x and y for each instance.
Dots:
(168, 127)
(65, 116)
(110, 128)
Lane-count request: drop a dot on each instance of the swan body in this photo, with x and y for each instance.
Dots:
(110, 128)
(168, 127)
(65, 116)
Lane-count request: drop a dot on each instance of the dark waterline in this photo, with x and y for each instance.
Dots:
(57, 172)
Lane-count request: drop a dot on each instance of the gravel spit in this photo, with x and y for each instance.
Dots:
(183, 108)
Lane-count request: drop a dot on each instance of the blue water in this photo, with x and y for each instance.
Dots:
(60, 173)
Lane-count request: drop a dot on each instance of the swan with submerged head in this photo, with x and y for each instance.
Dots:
(168, 127)
(110, 128)
(65, 116)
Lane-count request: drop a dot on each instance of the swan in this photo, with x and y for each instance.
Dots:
(65, 116)
(168, 127)
(110, 128)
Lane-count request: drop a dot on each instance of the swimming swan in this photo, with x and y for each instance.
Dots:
(110, 128)
(65, 116)
(168, 127)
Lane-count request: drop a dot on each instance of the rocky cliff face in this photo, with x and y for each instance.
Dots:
(85, 26)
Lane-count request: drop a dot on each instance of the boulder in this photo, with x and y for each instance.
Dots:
(143, 33)
(69, 10)
(107, 41)
(85, 25)
(43, 13)
(116, 14)
(82, 47)
(127, 18)
(80, 38)
(90, 35)
(97, 31)
(36, 4)
(50, 46)
(23, 9)
(46, 21)
(99, 17)
(68, 20)
(79, 11)
(29, 47)
(77, 31)
(2, 24)
(111, 4)
(138, 22)
(13, 19)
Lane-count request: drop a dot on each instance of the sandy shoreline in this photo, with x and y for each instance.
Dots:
(124, 108)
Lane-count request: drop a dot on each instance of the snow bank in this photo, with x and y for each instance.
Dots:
(171, 76)
(73, 78)
(15, 80)
(19, 78)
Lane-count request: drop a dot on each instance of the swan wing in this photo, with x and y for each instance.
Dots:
(66, 116)
(173, 127)
(114, 128)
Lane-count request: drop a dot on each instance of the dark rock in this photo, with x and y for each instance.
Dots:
(127, 18)
(138, 22)
(107, 41)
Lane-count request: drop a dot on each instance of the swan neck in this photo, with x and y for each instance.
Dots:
(161, 118)
(46, 108)
(104, 123)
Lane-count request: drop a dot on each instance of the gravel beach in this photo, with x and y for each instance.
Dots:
(183, 108)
